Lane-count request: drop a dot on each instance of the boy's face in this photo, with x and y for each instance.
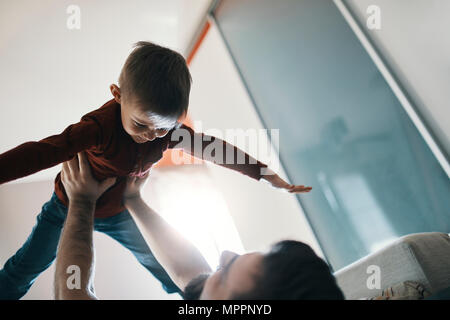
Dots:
(140, 123)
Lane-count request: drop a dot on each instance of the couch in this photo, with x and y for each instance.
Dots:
(422, 257)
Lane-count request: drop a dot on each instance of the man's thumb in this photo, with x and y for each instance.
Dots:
(107, 183)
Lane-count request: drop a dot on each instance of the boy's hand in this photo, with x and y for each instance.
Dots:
(78, 181)
(134, 187)
(279, 183)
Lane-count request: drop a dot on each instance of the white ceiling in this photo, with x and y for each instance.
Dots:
(50, 75)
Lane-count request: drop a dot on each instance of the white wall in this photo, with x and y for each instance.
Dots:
(262, 214)
(414, 39)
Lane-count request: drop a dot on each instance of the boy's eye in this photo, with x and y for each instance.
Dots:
(137, 124)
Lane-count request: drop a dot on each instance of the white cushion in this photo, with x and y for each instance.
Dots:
(419, 257)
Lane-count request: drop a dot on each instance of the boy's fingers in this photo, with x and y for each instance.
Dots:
(300, 189)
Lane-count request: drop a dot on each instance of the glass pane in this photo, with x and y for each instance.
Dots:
(342, 130)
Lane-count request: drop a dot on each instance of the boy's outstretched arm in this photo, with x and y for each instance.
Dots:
(34, 156)
(222, 153)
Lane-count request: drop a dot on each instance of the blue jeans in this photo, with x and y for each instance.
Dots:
(39, 250)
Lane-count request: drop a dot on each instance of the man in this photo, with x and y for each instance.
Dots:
(290, 270)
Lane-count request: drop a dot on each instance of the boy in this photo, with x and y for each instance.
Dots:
(124, 137)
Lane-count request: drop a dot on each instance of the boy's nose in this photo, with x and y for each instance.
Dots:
(149, 136)
(161, 133)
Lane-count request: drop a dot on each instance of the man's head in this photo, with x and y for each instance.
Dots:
(154, 91)
(289, 271)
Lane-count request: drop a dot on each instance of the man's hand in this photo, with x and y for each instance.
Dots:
(134, 187)
(279, 183)
(78, 181)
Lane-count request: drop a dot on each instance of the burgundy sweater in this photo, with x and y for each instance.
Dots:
(111, 152)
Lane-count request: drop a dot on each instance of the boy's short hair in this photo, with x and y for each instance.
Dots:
(158, 78)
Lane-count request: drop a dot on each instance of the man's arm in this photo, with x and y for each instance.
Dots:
(75, 259)
(180, 258)
(75, 262)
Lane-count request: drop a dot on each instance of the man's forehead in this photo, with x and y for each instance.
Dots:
(249, 263)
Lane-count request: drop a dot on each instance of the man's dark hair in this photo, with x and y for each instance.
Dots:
(158, 78)
(194, 288)
(292, 271)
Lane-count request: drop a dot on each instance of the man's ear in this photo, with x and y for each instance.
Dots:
(115, 90)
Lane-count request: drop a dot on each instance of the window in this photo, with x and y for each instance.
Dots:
(342, 130)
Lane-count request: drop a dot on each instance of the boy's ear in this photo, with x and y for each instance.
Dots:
(115, 90)
(182, 117)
